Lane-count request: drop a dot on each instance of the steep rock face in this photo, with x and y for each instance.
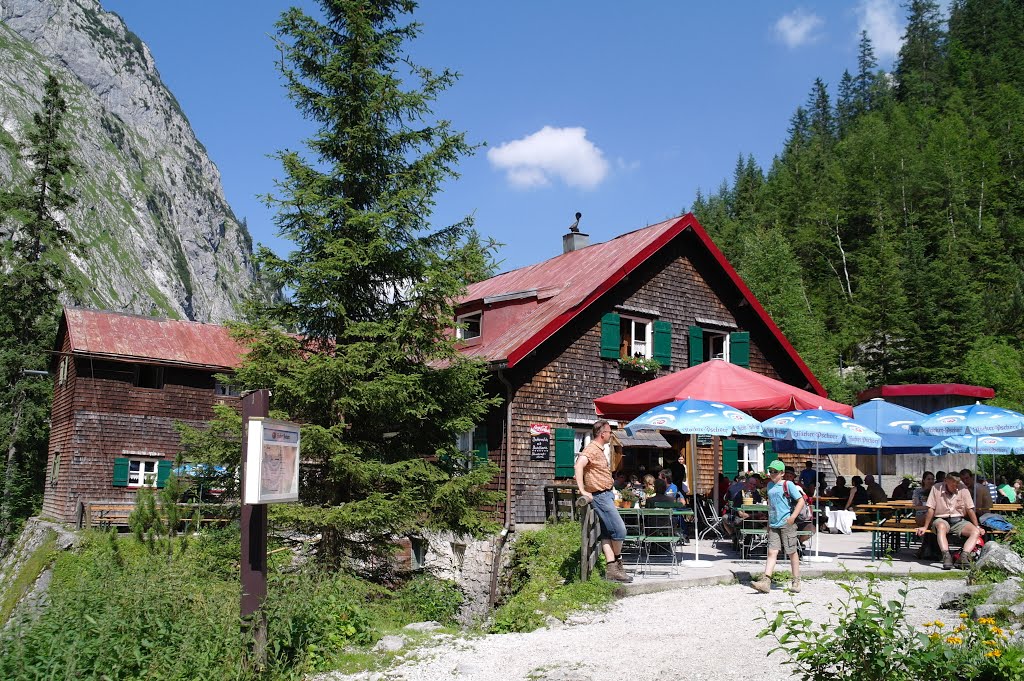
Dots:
(155, 232)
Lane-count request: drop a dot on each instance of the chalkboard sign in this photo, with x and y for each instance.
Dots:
(540, 442)
(704, 440)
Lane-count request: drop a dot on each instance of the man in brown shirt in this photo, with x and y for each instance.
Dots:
(948, 506)
(594, 481)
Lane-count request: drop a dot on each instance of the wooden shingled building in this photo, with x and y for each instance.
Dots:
(121, 382)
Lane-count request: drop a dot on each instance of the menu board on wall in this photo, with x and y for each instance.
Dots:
(540, 442)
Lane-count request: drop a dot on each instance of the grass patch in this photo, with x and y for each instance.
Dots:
(27, 576)
(543, 581)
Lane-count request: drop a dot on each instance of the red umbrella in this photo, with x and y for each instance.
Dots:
(716, 380)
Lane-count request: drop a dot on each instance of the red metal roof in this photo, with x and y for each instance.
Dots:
(132, 337)
(923, 389)
(551, 293)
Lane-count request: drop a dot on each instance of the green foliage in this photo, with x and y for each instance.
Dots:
(370, 288)
(32, 273)
(869, 639)
(543, 580)
(431, 599)
(640, 365)
(119, 611)
(897, 221)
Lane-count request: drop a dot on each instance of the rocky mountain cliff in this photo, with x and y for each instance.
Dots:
(155, 232)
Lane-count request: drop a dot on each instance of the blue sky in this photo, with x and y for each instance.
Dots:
(618, 110)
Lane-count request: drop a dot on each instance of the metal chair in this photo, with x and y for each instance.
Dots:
(634, 532)
(711, 523)
(659, 536)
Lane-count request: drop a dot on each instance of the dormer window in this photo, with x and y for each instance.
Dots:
(468, 326)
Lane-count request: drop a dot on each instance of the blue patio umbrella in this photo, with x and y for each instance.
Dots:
(812, 428)
(989, 445)
(696, 417)
(972, 420)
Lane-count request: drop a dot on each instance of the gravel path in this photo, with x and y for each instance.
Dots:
(707, 633)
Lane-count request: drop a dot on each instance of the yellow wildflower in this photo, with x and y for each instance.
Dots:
(939, 624)
(986, 620)
(994, 653)
(934, 637)
(959, 628)
(996, 630)
(954, 640)
(963, 615)
(990, 642)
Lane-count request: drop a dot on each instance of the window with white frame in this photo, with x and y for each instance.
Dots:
(716, 345)
(465, 441)
(749, 455)
(142, 472)
(62, 375)
(637, 340)
(583, 437)
(468, 326)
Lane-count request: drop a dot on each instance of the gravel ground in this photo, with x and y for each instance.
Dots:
(707, 633)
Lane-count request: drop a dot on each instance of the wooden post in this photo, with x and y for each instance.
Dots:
(254, 538)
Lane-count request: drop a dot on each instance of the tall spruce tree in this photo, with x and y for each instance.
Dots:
(32, 275)
(372, 371)
(921, 68)
(865, 83)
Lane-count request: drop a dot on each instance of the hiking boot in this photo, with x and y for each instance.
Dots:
(947, 561)
(616, 573)
(963, 561)
(763, 584)
(794, 588)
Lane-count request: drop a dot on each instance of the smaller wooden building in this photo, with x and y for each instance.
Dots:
(121, 383)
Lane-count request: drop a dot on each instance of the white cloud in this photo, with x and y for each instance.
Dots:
(881, 19)
(798, 28)
(551, 153)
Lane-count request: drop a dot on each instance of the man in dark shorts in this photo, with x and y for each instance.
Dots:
(595, 483)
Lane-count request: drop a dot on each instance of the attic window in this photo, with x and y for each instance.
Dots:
(468, 326)
(149, 376)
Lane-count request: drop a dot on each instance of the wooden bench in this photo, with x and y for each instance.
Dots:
(116, 513)
(886, 537)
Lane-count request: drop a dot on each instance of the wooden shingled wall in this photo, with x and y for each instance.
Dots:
(99, 415)
(567, 373)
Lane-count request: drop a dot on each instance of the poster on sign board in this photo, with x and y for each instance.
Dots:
(272, 462)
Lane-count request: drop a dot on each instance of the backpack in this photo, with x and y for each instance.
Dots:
(805, 515)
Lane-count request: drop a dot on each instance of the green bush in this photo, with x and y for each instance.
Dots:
(431, 599)
(870, 640)
(543, 580)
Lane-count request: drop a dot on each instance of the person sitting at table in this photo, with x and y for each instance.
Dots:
(1007, 495)
(840, 491)
(979, 493)
(940, 477)
(621, 480)
(993, 491)
(670, 487)
(949, 509)
(876, 494)
(660, 494)
(1018, 487)
(858, 495)
(920, 497)
(822, 486)
(902, 492)
(737, 485)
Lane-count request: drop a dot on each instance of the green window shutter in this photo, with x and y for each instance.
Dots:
(696, 345)
(163, 471)
(730, 458)
(480, 444)
(565, 457)
(769, 453)
(663, 342)
(739, 348)
(611, 336)
(120, 472)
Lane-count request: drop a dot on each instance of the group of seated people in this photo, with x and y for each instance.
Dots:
(657, 486)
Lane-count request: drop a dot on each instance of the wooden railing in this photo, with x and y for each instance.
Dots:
(590, 538)
(560, 503)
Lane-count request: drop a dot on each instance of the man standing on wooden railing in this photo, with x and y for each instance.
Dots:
(594, 481)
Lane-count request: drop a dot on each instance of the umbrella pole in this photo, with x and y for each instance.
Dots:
(817, 509)
(696, 562)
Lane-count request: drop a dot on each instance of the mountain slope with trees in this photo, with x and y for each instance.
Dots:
(887, 236)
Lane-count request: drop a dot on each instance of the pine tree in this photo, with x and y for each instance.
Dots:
(32, 276)
(373, 373)
(865, 84)
(921, 68)
(846, 110)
